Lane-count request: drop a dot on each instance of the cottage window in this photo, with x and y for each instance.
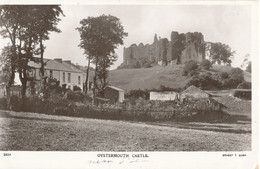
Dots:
(68, 77)
(79, 80)
(63, 77)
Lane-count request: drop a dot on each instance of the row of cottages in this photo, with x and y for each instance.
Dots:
(191, 93)
(64, 71)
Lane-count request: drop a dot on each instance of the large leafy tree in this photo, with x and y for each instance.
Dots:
(103, 66)
(220, 53)
(10, 18)
(26, 26)
(100, 36)
(45, 18)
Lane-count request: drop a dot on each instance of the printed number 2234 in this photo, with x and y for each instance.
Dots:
(7, 154)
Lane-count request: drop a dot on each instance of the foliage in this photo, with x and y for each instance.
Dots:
(205, 81)
(248, 68)
(221, 53)
(236, 76)
(222, 80)
(244, 85)
(189, 67)
(76, 88)
(206, 64)
(74, 96)
(16, 23)
(100, 36)
(137, 94)
(243, 94)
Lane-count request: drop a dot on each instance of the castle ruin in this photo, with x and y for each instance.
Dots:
(181, 48)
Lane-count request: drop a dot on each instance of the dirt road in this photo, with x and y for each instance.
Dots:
(38, 132)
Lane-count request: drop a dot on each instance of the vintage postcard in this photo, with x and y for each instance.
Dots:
(129, 84)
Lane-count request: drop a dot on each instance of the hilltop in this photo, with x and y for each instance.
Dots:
(154, 77)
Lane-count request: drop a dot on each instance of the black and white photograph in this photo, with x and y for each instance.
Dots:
(129, 78)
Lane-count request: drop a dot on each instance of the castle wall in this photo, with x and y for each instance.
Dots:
(180, 48)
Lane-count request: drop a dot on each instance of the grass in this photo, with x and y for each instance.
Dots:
(22, 131)
(148, 78)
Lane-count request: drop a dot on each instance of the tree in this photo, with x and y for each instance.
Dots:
(5, 64)
(46, 18)
(25, 26)
(102, 73)
(10, 17)
(220, 53)
(100, 36)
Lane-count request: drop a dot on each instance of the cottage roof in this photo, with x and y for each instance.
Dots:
(193, 89)
(215, 101)
(56, 65)
(113, 87)
(165, 92)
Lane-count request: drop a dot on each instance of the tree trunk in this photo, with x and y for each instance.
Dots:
(42, 51)
(95, 83)
(23, 93)
(11, 75)
(8, 97)
(87, 77)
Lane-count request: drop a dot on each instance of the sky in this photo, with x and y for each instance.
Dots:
(229, 24)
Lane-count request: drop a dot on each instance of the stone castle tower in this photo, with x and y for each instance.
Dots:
(180, 48)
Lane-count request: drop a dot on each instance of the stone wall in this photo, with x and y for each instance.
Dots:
(180, 48)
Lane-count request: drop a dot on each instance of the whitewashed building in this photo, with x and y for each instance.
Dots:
(163, 95)
(63, 71)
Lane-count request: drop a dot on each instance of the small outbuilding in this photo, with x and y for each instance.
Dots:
(193, 92)
(114, 94)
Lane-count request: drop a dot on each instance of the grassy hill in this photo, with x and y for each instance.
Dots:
(148, 78)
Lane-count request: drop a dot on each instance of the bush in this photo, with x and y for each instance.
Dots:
(74, 96)
(206, 64)
(223, 75)
(189, 67)
(242, 94)
(137, 94)
(3, 103)
(76, 88)
(236, 76)
(204, 81)
(244, 85)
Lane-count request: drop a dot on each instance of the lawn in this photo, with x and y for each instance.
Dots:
(38, 132)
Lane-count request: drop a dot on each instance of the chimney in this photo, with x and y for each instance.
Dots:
(67, 61)
(58, 60)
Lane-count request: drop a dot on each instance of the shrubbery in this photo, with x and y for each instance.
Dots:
(74, 96)
(244, 85)
(206, 64)
(221, 80)
(243, 94)
(190, 68)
